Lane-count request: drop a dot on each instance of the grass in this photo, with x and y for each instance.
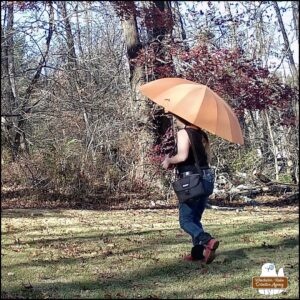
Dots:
(71, 254)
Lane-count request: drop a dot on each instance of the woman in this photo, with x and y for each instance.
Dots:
(190, 212)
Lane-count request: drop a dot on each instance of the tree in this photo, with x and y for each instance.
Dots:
(23, 107)
(156, 21)
(295, 7)
(287, 49)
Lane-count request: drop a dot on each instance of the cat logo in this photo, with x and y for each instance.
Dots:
(269, 282)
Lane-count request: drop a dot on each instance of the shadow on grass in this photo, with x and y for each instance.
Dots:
(98, 237)
(258, 227)
(146, 284)
(173, 273)
(241, 253)
(147, 281)
(148, 245)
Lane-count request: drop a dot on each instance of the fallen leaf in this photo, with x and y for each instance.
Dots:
(222, 259)
(265, 245)
(237, 287)
(27, 285)
(120, 295)
(107, 253)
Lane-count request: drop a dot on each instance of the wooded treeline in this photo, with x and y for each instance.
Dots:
(73, 121)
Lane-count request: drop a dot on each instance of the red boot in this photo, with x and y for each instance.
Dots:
(209, 251)
(188, 258)
(191, 258)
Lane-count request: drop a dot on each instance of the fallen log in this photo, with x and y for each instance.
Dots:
(224, 207)
(235, 193)
(292, 198)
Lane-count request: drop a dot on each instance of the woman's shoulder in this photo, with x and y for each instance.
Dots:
(182, 131)
(182, 134)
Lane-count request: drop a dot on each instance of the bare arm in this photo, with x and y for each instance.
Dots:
(183, 145)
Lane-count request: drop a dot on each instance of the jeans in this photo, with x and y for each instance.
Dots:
(190, 213)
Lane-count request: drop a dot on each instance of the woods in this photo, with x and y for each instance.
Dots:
(74, 123)
(93, 95)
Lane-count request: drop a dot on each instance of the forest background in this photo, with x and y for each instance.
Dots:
(75, 127)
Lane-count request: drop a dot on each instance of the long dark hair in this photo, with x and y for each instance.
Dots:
(205, 140)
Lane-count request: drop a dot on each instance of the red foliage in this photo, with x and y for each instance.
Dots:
(159, 62)
(153, 18)
(242, 82)
(166, 146)
(125, 9)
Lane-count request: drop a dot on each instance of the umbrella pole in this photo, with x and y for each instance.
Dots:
(175, 144)
(174, 135)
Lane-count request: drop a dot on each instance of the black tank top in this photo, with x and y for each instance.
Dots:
(189, 163)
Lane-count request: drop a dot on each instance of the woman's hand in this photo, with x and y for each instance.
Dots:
(183, 145)
(166, 163)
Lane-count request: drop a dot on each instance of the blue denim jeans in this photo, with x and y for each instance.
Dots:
(190, 212)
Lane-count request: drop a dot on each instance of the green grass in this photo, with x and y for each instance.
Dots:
(137, 254)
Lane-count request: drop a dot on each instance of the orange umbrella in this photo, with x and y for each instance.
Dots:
(197, 104)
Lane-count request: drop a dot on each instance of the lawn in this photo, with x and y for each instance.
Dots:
(138, 254)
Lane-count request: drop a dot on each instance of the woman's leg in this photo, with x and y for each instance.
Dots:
(198, 211)
(186, 221)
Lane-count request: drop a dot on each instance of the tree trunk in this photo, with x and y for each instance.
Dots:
(70, 40)
(10, 54)
(73, 71)
(8, 86)
(295, 7)
(19, 140)
(179, 38)
(286, 43)
(233, 26)
(88, 30)
(260, 50)
(79, 32)
(133, 46)
(178, 25)
(26, 107)
(162, 34)
(156, 39)
(139, 105)
(274, 148)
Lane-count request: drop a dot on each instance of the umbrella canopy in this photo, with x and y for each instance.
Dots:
(197, 104)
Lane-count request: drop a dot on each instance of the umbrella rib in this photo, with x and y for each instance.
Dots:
(226, 111)
(233, 132)
(216, 102)
(207, 90)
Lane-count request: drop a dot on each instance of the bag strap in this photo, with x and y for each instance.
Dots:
(194, 151)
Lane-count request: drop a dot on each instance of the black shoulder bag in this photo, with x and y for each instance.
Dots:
(195, 185)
